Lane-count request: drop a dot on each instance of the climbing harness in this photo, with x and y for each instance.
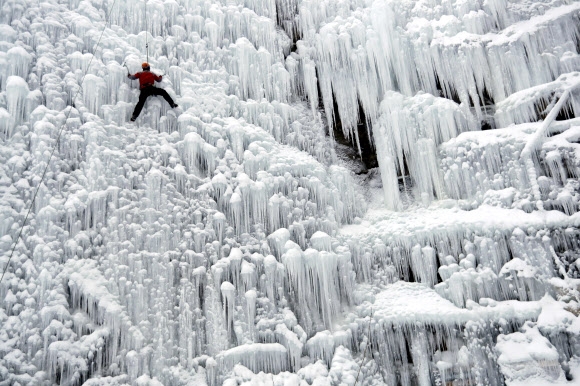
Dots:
(56, 145)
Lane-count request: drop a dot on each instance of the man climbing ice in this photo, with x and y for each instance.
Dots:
(146, 85)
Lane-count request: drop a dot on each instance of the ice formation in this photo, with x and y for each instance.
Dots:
(236, 241)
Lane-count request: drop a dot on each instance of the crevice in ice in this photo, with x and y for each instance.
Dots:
(449, 94)
(286, 11)
(359, 144)
(566, 113)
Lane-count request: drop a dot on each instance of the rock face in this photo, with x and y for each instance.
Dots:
(241, 239)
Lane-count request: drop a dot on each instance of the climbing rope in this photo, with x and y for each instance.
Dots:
(146, 34)
(56, 144)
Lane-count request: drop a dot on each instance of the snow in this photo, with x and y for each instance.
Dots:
(352, 192)
(527, 354)
(401, 302)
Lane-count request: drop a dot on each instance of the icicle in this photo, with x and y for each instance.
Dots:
(423, 262)
(293, 345)
(559, 174)
(155, 180)
(270, 268)
(16, 92)
(277, 240)
(132, 361)
(251, 297)
(6, 122)
(321, 346)
(321, 241)
(94, 93)
(228, 293)
(408, 133)
(267, 357)
(199, 154)
(18, 62)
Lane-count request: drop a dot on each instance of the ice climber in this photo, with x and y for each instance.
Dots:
(146, 85)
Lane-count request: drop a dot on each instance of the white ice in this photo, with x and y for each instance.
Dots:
(352, 192)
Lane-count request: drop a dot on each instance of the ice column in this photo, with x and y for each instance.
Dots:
(16, 92)
(18, 61)
(5, 123)
(251, 297)
(94, 92)
(228, 294)
(407, 135)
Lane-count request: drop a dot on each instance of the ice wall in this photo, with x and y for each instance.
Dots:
(226, 243)
(149, 250)
(475, 54)
(447, 49)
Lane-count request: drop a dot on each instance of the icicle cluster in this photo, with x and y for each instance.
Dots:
(407, 135)
(227, 242)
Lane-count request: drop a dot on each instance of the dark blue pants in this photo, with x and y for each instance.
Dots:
(146, 93)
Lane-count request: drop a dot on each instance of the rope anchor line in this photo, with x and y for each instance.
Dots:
(57, 142)
(108, 22)
(146, 34)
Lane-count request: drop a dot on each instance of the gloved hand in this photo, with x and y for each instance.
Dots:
(160, 78)
(128, 75)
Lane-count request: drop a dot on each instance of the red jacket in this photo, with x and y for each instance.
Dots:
(146, 78)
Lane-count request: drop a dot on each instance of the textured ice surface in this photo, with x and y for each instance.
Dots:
(226, 242)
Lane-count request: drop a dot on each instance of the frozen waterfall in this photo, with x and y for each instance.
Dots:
(378, 192)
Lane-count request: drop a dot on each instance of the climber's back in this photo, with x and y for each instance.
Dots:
(146, 77)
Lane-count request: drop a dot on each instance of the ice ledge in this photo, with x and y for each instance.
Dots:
(431, 221)
(409, 303)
